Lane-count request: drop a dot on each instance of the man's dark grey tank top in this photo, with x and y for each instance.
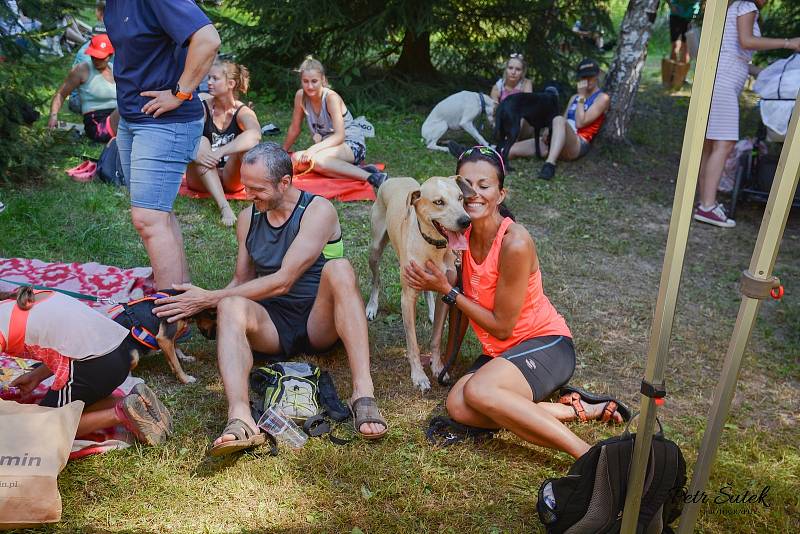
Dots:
(267, 245)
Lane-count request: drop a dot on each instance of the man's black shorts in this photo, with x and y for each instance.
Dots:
(678, 26)
(290, 317)
(546, 362)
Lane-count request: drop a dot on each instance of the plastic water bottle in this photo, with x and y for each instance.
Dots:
(282, 428)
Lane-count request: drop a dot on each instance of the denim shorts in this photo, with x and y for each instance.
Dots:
(154, 157)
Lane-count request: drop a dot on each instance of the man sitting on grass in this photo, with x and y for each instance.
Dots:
(292, 292)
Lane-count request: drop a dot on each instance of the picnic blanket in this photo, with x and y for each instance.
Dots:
(92, 278)
(341, 189)
(105, 281)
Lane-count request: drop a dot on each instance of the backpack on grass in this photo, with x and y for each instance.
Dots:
(291, 387)
(590, 499)
(109, 167)
(303, 392)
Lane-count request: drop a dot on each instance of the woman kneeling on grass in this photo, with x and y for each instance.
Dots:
(339, 145)
(528, 350)
(230, 130)
(90, 356)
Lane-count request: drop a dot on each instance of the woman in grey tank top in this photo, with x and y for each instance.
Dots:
(339, 145)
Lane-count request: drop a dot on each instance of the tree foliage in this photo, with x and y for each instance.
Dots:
(21, 67)
(415, 39)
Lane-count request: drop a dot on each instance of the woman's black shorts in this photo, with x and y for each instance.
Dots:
(546, 362)
(95, 379)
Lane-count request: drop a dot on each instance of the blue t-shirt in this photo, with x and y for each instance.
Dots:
(150, 39)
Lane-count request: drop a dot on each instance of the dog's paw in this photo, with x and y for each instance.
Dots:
(189, 380)
(182, 356)
(421, 382)
(372, 311)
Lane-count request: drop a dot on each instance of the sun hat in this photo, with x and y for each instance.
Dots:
(586, 68)
(100, 47)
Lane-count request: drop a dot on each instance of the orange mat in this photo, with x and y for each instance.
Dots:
(340, 189)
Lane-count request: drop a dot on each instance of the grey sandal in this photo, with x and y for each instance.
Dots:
(365, 410)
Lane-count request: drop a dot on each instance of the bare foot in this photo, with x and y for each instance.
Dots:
(595, 411)
(228, 217)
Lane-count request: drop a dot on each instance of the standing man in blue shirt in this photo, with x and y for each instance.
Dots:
(163, 50)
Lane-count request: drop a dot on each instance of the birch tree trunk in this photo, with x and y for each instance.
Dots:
(622, 81)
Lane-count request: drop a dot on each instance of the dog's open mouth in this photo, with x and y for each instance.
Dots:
(455, 240)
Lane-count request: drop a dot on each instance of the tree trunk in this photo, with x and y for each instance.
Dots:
(415, 58)
(623, 77)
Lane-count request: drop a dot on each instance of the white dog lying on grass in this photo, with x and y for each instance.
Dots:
(457, 112)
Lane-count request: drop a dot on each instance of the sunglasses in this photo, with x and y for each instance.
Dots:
(486, 151)
(516, 55)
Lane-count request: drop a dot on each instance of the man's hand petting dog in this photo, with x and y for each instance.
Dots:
(431, 278)
(192, 301)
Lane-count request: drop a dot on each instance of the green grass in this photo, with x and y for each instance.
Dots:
(600, 229)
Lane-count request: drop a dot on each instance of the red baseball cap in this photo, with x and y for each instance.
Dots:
(100, 47)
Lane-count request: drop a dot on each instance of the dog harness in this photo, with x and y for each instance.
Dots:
(138, 331)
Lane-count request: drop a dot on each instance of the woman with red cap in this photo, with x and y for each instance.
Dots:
(95, 82)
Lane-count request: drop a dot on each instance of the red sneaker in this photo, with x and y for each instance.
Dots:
(715, 216)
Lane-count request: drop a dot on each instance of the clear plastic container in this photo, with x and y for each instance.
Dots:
(282, 428)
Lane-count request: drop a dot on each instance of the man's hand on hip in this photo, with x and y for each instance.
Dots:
(162, 102)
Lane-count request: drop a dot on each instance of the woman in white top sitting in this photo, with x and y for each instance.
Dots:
(338, 143)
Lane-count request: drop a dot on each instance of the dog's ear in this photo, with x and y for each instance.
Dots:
(413, 196)
(466, 189)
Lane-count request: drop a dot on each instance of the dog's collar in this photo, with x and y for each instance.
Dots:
(438, 243)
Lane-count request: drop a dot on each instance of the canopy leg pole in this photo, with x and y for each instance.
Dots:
(759, 276)
(683, 204)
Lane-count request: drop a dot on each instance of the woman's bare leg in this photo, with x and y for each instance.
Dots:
(337, 162)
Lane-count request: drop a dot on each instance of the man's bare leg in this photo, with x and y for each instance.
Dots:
(242, 325)
(338, 313)
(163, 242)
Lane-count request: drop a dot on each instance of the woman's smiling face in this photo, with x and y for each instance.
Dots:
(482, 177)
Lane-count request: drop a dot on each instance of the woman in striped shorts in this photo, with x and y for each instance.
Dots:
(740, 39)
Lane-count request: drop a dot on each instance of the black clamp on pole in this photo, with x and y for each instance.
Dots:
(656, 392)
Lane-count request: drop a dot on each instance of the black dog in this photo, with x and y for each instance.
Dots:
(539, 109)
(151, 333)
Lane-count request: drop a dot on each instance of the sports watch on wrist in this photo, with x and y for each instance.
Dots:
(180, 94)
(580, 99)
(450, 298)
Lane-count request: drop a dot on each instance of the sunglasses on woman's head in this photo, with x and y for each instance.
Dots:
(486, 151)
(516, 55)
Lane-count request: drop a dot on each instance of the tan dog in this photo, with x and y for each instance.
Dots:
(423, 222)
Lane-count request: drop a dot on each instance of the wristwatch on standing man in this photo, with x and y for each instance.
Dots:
(180, 94)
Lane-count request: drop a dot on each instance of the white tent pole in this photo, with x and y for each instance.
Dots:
(756, 284)
(693, 138)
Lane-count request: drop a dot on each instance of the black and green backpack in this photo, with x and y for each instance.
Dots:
(302, 392)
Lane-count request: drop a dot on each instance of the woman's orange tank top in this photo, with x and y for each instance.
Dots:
(537, 318)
